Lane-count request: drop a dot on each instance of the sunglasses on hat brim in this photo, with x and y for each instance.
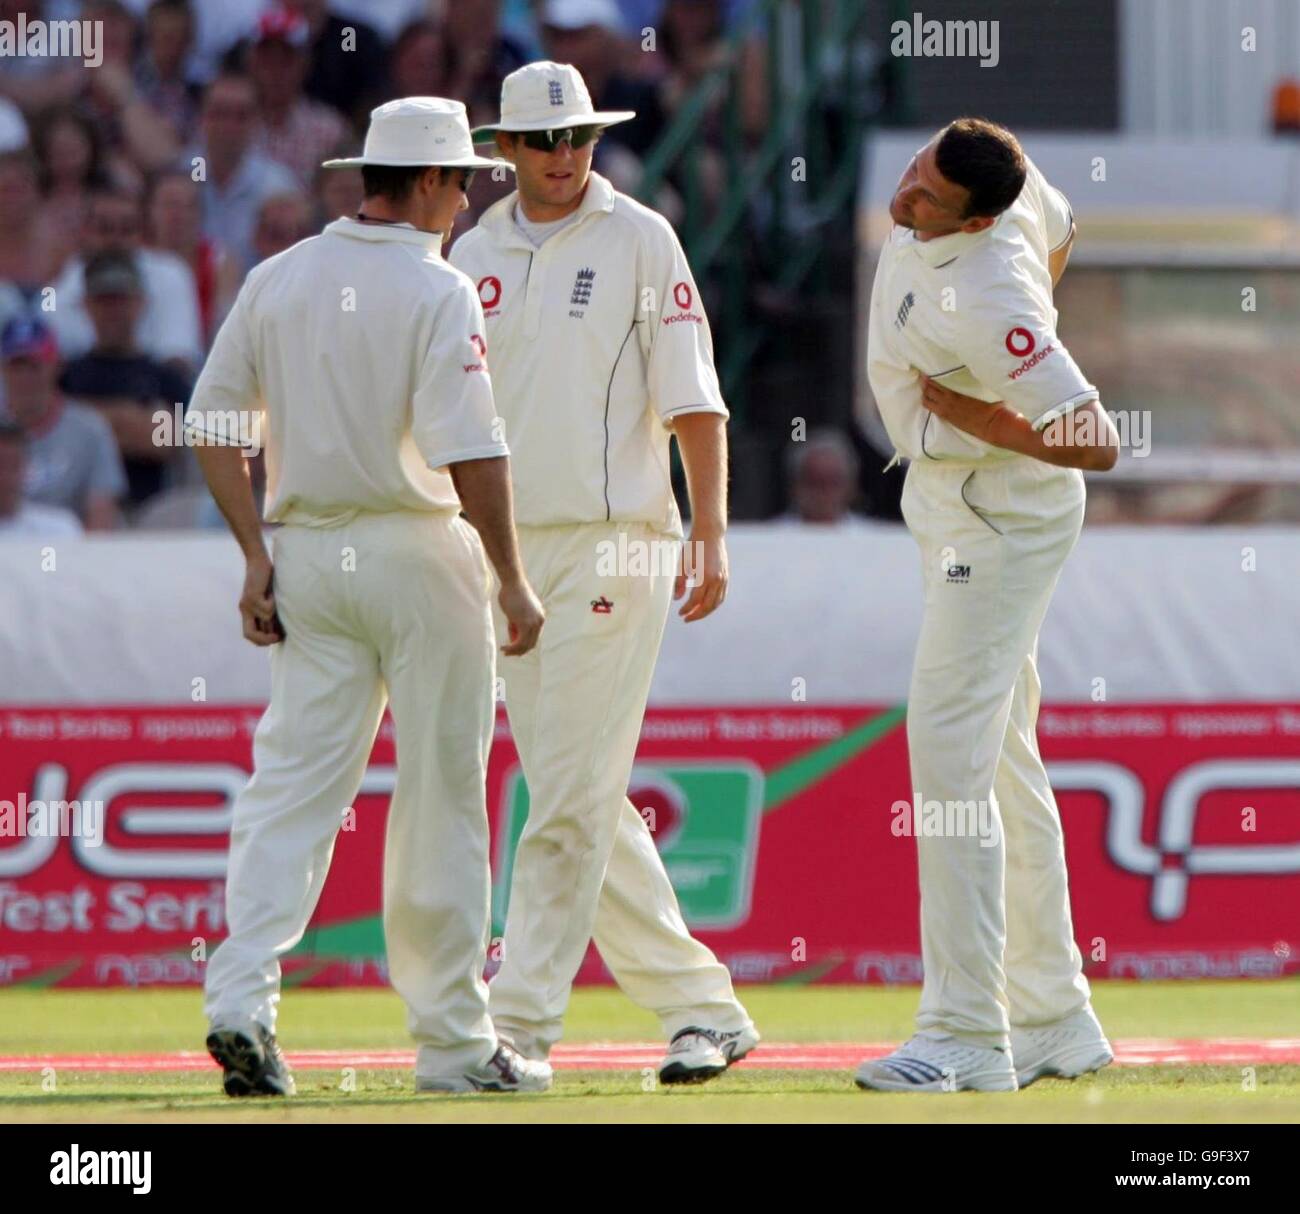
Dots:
(547, 141)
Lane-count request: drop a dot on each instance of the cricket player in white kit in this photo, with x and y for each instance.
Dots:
(978, 392)
(360, 353)
(600, 350)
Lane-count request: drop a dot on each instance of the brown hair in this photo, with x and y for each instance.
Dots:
(986, 160)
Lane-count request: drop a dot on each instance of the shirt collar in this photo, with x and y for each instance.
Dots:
(499, 218)
(401, 233)
(943, 249)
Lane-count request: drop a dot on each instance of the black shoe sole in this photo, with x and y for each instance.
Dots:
(676, 1072)
(244, 1062)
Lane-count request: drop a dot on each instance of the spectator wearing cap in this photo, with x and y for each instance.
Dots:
(174, 224)
(296, 131)
(347, 60)
(237, 176)
(169, 328)
(588, 34)
(161, 67)
(33, 82)
(19, 517)
(73, 461)
(117, 378)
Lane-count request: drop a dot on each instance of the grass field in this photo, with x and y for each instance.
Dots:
(52, 1022)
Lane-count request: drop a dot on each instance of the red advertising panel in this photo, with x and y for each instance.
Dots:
(778, 827)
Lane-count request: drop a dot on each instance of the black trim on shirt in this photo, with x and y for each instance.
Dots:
(609, 388)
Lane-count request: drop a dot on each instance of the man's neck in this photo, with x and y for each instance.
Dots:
(543, 212)
(382, 210)
(123, 349)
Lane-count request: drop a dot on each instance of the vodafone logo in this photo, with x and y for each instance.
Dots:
(1020, 342)
(481, 346)
(489, 291)
(683, 295)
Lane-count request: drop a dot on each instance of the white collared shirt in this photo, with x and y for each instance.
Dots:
(598, 340)
(364, 351)
(973, 311)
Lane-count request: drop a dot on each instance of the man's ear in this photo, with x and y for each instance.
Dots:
(979, 224)
(505, 145)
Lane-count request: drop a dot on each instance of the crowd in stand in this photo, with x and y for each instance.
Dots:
(136, 194)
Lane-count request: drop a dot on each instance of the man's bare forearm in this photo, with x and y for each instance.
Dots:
(485, 495)
(1063, 442)
(702, 438)
(226, 471)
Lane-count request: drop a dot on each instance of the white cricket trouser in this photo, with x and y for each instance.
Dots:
(394, 603)
(586, 864)
(996, 936)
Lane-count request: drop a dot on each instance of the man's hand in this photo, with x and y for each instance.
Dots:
(967, 413)
(1083, 438)
(704, 559)
(524, 616)
(257, 603)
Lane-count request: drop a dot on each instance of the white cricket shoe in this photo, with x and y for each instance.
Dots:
(1067, 1048)
(505, 1071)
(939, 1063)
(696, 1054)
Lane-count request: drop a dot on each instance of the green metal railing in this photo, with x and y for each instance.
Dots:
(817, 88)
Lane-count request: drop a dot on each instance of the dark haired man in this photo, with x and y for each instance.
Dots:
(360, 353)
(977, 391)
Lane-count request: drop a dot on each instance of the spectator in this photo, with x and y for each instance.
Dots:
(237, 176)
(386, 17)
(73, 461)
(70, 153)
(282, 221)
(17, 516)
(348, 60)
(31, 247)
(420, 62)
(821, 481)
(34, 82)
(587, 33)
(482, 56)
(160, 69)
(296, 131)
(13, 128)
(125, 385)
(692, 44)
(130, 125)
(169, 329)
(174, 224)
(337, 192)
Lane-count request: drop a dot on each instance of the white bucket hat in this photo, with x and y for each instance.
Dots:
(417, 131)
(547, 96)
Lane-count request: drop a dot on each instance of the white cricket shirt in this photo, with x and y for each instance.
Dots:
(598, 341)
(364, 351)
(974, 312)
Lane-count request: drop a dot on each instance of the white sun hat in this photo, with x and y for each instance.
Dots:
(415, 131)
(547, 96)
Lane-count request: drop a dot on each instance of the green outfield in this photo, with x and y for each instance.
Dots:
(53, 1022)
